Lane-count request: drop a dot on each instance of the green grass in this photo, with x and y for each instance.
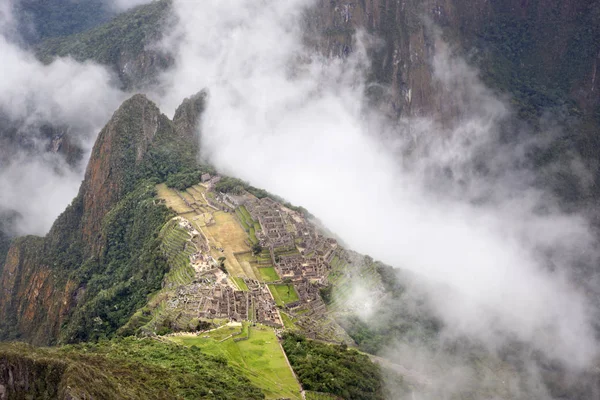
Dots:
(223, 332)
(252, 235)
(248, 223)
(268, 274)
(174, 239)
(130, 368)
(259, 359)
(245, 213)
(242, 219)
(240, 283)
(284, 294)
(288, 321)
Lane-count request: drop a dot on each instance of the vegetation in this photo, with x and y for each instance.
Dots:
(132, 267)
(124, 36)
(187, 178)
(240, 283)
(50, 18)
(5, 241)
(259, 358)
(283, 294)
(394, 320)
(326, 293)
(268, 274)
(7, 223)
(128, 368)
(333, 369)
(319, 396)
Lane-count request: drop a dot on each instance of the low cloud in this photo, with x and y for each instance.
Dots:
(122, 5)
(453, 202)
(35, 99)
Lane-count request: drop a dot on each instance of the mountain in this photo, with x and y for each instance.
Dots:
(119, 263)
(39, 20)
(165, 278)
(543, 55)
(123, 44)
(144, 275)
(106, 230)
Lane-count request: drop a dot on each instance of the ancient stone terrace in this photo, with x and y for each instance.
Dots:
(212, 296)
(297, 267)
(284, 230)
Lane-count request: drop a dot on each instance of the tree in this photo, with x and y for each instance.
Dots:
(222, 263)
(256, 248)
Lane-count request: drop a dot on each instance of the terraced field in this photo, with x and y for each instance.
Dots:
(240, 283)
(268, 274)
(284, 294)
(222, 229)
(259, 357)
(229, 235)
(177, 248)
(344, 275)
(172, 200)
(248, 224)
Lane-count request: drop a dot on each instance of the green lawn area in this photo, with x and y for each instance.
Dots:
(288, 321)
(252, 235)
(259, 358)
(248, 223)
(268, 274)
(221, 333)
(284, 294)
(240, 283)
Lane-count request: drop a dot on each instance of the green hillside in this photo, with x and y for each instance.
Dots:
(122, 369)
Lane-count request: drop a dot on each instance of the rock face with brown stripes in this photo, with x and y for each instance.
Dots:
(560, 44)
(35, 285)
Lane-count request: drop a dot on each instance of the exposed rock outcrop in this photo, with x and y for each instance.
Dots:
(138, 142)
(559, 44)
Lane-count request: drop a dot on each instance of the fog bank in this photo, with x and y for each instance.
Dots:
(286, 119)
(37, 100)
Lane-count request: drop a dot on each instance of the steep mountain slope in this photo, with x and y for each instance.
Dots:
(543, 55)
(131, 369)
(123, 44)
(39, 20)
(102, 247)
(542, 52)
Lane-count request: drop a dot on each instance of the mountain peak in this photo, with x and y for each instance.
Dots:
(116, 160)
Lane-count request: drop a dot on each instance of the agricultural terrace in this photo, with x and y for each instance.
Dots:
(254, 352)
(229, 236)
(284, 294)
(268, 274)
(222, 229)
(172, 200)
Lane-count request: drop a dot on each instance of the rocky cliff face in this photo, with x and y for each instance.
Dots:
(117, 154)
(555, 43)
(40, 283)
